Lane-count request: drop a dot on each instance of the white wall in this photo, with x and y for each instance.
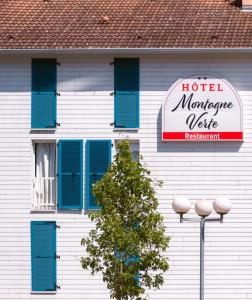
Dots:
(85, 110)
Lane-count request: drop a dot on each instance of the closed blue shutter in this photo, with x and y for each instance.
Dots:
(132, 260)
(98, 159)
(43, 93)
(70, 174)
(126, 82)
(43, 255)
(127, 262)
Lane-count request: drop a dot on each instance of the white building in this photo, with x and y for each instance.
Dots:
(74, 79)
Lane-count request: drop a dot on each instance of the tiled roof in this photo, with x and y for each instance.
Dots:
(38, 24)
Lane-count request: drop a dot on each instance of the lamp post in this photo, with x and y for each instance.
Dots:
(203, 208)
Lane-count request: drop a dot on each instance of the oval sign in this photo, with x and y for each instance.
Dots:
(202, 108)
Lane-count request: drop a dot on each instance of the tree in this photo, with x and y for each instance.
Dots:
(129, 236)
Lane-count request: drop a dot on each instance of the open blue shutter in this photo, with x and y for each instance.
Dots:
(98, 159)
(43, 93)
(126, 72)
(43, 255)
(70, 174)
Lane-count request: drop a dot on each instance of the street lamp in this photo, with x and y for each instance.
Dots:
(203, 208)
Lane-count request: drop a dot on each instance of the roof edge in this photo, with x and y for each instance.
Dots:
(123, 50)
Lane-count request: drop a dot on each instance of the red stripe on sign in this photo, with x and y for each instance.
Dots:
(202, 136)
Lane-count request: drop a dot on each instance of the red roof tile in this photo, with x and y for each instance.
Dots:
(38, 24)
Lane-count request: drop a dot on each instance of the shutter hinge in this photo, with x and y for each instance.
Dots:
(113, 123)
(57, 94)
(58, 124)
(58, 226)
(112, 63)
(57, 286)
(112, 93)
(58, 256)
(58, 63)
(57, 174)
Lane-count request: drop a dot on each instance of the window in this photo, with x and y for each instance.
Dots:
(126, 86)
(134, 148)
(44, 179)
(43, 256)
(43, 93)
(98, 159)
(67, 186)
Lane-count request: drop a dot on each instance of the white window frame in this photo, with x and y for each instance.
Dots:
(33, 172)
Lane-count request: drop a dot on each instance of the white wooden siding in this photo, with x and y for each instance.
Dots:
(85, 111)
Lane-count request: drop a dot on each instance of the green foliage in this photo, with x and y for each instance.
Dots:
(127, 226)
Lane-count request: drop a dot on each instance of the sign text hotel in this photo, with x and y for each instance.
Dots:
(202, 108)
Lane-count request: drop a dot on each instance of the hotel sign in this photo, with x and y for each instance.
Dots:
(202, 108)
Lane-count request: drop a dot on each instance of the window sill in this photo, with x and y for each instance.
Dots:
(43, 129)
(43, 292)
(88, 210)
(92, 209)
(43, 211)
(125, 129)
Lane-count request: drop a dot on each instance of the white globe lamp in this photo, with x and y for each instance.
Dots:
(203, 208)
(181, 205)
(222, 205)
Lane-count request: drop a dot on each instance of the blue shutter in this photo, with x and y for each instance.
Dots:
(132, 260)
(127, 262)
(43, 93)
(98, 159)
(43, 255)
(70, 174)
(126, 82)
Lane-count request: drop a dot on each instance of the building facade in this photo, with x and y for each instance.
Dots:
(85, 111)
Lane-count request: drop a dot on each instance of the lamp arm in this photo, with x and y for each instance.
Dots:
(189, 220)
(193, 220)
(220, 219)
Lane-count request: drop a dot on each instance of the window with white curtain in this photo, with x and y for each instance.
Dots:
(44, 179)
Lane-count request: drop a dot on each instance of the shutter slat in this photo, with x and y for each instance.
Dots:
(43, 93)
(70, 178)
(43, 250)
(126, 81)
(98, 159)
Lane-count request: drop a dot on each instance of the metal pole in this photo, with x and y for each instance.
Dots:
(202, 221)
(202, 241)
